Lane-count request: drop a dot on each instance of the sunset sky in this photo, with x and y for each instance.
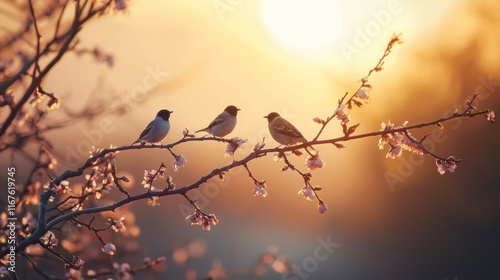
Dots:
(298, 58)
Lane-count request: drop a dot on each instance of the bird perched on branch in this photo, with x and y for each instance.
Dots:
(157, 129)
(283, 131)
(223, 124)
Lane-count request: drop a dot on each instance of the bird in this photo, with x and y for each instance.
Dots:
(157, 129)
(224, 123)
(283, 131)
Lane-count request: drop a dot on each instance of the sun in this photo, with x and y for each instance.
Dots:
(305, 26)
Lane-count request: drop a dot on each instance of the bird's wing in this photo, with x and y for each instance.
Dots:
(146, 130)
(217, 121)
(286, 128)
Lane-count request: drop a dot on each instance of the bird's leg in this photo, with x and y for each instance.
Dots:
(316, 151)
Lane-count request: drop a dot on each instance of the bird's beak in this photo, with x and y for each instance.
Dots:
(265, 117)
(171, 112)
(238, 109)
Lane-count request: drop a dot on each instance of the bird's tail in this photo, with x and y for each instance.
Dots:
(204, 129)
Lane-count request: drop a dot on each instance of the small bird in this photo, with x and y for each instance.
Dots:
(224, 123)
(283, 131)
(157, 129)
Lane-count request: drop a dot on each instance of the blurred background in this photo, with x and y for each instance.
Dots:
(389, 219)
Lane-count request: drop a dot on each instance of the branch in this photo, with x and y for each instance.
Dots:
(42, 227)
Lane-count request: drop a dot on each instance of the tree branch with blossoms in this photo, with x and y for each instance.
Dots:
(69, 203)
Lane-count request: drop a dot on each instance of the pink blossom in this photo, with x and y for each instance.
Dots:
(61, 188)
(235, 144)
(259, 190)
(314, 162)
(77, 263)
(118, 226)
(318, 120)
(307, 192)
(149, 177)
(207, 220)
(395, 151)
(109, 248)
(322, 207)
(362, 94)
(49, 239)
(198, 218)
(195, 219)
(448, 165)
(123, 271)
(410, 145)
(342, 114)
(180, 161)
(185, 133)
(398, 141)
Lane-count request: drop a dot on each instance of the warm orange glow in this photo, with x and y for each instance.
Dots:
(304, 26)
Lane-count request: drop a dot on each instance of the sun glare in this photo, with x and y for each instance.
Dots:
(305, 26)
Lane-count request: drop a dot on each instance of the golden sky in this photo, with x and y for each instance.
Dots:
(197, 57)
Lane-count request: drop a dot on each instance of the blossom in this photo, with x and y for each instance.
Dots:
(207, 220)
(307, 192)
(123, 271)
(153, 201)
(49, 239)
(180, 161)
(259, 190)
(314, 162)
(342, 113)
(362, 94)
(322, 207)
(410, 145)
(394, 151)
(204, 220)
(109, 248)
(118, 226)
(318, 120)
(490, 116)
(447, 165)
(196, 218)
(76, 263)
(149, 177)
(185, 133)
(398, 141)
(61, 188)
(235, 143)
(108, 180)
